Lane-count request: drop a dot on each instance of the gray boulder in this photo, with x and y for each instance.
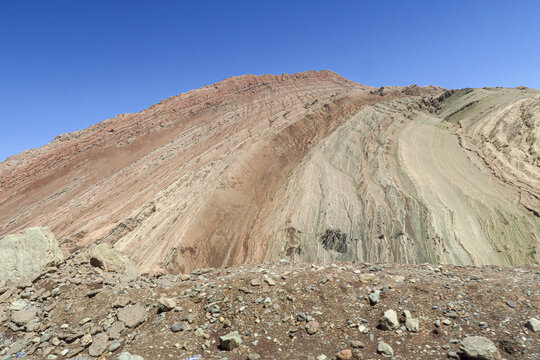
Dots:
(25, 255)
(478, 348)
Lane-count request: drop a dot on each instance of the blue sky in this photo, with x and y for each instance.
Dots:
(65, 65)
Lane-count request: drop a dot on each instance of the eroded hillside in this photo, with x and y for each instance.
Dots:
(307, 166)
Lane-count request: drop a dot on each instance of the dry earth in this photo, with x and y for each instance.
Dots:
(280, 310)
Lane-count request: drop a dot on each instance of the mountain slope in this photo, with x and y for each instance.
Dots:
(309, 166)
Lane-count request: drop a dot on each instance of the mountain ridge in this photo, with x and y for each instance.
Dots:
(217, 176)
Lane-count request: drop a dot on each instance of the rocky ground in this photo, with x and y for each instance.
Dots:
(281, 310)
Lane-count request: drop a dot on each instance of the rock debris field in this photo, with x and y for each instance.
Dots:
(279, 310)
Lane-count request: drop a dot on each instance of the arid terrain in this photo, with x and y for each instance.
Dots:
(310, 167)
(299, 216)
(280, 310)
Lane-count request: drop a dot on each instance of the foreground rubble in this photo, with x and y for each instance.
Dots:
(275, 311)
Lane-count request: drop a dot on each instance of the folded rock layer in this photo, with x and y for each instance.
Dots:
(308, 166)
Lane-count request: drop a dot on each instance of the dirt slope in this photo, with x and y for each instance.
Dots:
(308, 166)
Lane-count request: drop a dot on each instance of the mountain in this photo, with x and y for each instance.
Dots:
(309, 166)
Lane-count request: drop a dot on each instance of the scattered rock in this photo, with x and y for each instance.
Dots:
(384, 349)
(374, 297)
(478, 348)
(115, 345)
(412, 325)
(45, 337)
(312, 327)
(132, 315)
(389, 321)
(99, 345)
(367, 278)
(116, 330)
(86, 340)
(166, 304)
(127, 356)
(533, 324)
(230, 341)
(177, 326)
(356, 344)
(22, 317)
(345, 354)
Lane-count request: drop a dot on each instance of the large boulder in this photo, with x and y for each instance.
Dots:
(478, 348)
(25, 255)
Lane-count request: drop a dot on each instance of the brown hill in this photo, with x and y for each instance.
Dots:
(308, 166)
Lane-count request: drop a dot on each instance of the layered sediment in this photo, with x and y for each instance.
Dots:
(308, 166)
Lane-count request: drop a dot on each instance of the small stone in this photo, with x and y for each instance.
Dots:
(99, 345)
(367, 278)
(510, 304)
(93, 293)
(86, 340)
(45, 337)
(374, 297)
(345, 354)
(478, 348)
(84, 321)
(22, 317)
(127, 356)
(18, 305)
(270, 281)
(384, 349)
(412, 325)
(176, 327)
(322, 357)
(97, 262)
(533, 324)
(230, 341)
(116, 329)
(121, 302)
(166, 304)
(115, 345)
(312, 327)
(255, 282)
(132, 315)
(253, 356)
(389, 321)
(357, 344)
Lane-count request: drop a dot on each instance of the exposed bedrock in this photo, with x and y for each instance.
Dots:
(308, 166)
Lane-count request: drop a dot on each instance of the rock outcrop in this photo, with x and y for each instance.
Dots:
(24, 256)
(309, 166)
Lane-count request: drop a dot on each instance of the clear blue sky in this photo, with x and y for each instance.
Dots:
(65, 65)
